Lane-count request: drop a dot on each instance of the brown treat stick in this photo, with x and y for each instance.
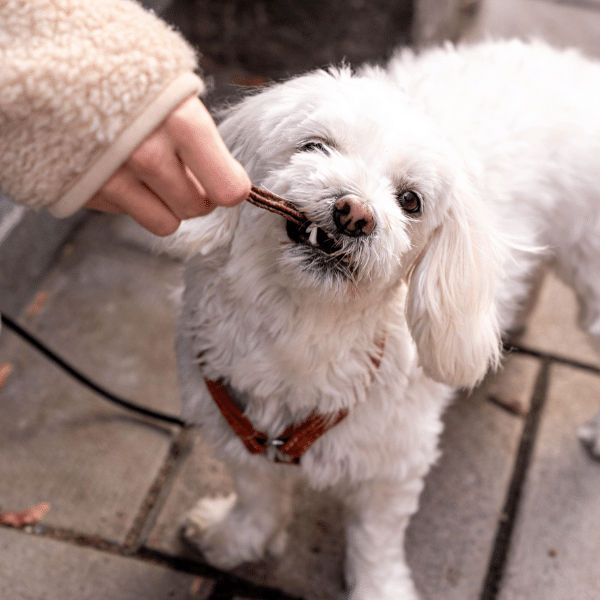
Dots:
(29, 516)
(276, 204)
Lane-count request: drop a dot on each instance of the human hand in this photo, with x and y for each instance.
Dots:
(182, 170)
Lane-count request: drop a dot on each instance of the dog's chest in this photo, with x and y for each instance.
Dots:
(279, 354)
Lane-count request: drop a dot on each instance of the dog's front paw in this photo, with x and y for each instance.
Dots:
(205, 526)
(388, 584)
(589, 434)
(402, 594)
(228, 535)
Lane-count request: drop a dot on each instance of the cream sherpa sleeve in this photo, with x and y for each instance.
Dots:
(82, 83)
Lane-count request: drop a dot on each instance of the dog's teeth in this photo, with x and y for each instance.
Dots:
(312, 231)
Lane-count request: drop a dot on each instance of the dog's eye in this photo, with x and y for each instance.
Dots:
(313, 146)
(410, 202)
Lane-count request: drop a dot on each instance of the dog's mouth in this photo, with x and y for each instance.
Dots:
(299, 229)
(319, 250)
(310, 234)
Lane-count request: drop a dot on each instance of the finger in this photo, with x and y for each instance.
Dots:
(100, 202)
(132, 197)
(156, 164)
(203, 151)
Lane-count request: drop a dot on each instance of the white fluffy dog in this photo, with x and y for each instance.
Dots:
(434, 188)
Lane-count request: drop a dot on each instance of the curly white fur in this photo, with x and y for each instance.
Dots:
(501, 142)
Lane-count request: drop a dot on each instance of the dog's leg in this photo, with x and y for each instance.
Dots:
(534, 285)
(247, 524)
(589, 434)
(378, 514)
(579, 268)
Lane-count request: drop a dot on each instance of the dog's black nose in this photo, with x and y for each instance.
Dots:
(353, 217)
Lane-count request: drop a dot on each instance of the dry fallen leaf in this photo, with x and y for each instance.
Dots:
(25, 517)
(5, 370)
(38, 304)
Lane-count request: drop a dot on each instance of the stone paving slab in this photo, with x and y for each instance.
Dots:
(107, 307)
(61, 444)
(552, 327)
(450, 540)
(94, 465)
(33, 568)
(556, 546)
(29, 242)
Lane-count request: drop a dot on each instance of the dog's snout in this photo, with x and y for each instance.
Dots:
(353, 217)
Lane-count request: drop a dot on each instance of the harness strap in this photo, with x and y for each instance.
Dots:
(294, 441)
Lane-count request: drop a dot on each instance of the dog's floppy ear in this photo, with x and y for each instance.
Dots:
(450, 305)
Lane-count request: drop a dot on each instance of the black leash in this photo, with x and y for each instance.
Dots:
(13, 326)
